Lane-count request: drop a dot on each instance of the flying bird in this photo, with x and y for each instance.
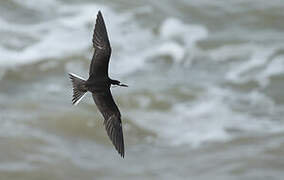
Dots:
(99, 85)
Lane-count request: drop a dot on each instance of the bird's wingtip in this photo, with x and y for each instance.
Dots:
(121, 150)
(99, 13)
(122, 154)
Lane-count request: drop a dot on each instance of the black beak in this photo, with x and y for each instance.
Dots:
(123, 85)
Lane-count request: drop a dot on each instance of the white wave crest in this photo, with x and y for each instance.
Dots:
(211, 118)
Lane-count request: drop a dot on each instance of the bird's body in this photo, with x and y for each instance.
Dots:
(99, 85)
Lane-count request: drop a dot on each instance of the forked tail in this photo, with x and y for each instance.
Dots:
(79, 88)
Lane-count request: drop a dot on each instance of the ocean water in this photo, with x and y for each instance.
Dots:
(205, 97)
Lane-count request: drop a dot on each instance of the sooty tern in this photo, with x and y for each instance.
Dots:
(99, 85)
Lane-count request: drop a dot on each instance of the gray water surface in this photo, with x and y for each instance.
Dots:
(205, 97)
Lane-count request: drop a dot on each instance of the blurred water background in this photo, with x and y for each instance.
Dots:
(205, 100)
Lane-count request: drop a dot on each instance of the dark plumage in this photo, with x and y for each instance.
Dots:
(99, 84)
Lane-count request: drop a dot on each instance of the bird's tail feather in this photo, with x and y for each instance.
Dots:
(79, 88)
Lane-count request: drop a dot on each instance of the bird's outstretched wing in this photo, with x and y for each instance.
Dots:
(100, 60)
(112, 122)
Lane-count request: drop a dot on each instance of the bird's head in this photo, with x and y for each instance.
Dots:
(118, 83)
